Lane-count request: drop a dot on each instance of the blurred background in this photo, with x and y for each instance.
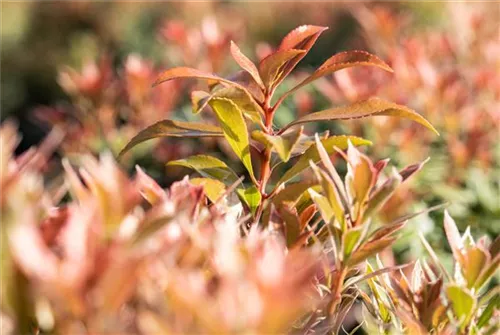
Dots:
(88, 67)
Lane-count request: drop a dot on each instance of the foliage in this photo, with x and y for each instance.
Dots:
(96, 251)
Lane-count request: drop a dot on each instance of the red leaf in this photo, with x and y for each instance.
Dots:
(246, 64)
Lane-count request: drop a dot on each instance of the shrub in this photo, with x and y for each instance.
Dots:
(214, 255)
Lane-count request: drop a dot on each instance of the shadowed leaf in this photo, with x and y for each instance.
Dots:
(245, 63)
(171, 128)
(207, 166)
(271, 67)
(213, 188)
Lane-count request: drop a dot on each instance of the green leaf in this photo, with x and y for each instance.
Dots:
(234, 128)
(213, 188)
(207, 166)
(332, 194)
(171, 128)
(283, 144)
(351, 240)
(487, 313)
(370, 107)
(341, 61)
(311, 154)
(245, 63)
(270, 67)
(251, 197)
(462, 302)
(323, 205)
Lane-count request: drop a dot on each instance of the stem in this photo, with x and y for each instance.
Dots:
(265, 166)
(337, 290)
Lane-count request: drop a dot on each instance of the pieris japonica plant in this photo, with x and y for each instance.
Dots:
(245, 106)
(101, 252)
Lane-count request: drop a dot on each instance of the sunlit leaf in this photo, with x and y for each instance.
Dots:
(301, 38)
(370, 107)
(171, 128)
(312, 154)
(234, 128)
(213, 188)
(351, 240)
(454, 238)
(462, 302)
(344, 60)
(251, 197)
(283, 144)
(323, 205)
(245, 63)
(332, 195)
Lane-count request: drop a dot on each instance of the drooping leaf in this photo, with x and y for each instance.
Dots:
(312, 154)
(272, 66)
(283, 144)
(245, 63)
(207, 166)
(187, 72)
(251, 197)
(341, 61)
(370, 107)
(462, 302)
(213, 188)
(172, 128)
(234, 128)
